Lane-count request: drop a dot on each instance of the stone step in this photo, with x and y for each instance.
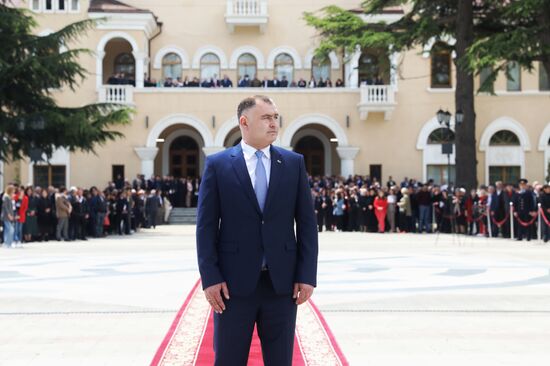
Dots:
(183, 216)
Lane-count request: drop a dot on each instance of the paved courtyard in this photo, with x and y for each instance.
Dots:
(390, 299)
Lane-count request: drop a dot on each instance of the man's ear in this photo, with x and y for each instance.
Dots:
(243, 121)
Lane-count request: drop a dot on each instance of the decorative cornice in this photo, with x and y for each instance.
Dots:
(145, 22)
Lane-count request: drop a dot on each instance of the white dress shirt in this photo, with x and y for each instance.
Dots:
(251, 160)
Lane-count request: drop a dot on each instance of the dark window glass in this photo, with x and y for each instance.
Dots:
(504, 138)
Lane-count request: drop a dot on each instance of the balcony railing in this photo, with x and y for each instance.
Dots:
(127, 94)
(376, 98)
(123, 94)
(246, 13)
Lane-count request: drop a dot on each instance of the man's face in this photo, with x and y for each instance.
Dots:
(260, 124)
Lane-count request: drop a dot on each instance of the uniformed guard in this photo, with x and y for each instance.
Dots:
(524, 211)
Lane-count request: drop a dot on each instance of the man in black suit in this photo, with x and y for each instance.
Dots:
(226, 82)
(524, 210)
(499, 209)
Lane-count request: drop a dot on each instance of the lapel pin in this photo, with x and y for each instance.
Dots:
(278, 161)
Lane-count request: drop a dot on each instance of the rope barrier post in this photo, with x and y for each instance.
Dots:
(488, 214)
(511, 220)
(539, 223)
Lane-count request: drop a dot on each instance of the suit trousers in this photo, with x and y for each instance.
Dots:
(62, 231)
(275, 317)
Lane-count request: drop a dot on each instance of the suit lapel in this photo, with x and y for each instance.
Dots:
(239, 165)
(277, 167)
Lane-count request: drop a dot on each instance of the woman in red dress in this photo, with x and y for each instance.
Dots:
(380, 210)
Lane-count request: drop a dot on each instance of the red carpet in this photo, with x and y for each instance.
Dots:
(189, 339)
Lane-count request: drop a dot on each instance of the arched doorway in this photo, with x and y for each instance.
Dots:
(313, 141)
(314, 154)
(233, 138)
(184, 157)
(504, 142)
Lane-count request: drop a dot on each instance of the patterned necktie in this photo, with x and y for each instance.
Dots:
(261, 180)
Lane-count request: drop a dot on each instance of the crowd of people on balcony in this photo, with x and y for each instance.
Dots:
(356, 203)
(245, 82)
(121, 78)
(214, 82)
(363, 204)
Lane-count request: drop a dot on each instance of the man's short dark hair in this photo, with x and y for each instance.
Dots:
(250, 102)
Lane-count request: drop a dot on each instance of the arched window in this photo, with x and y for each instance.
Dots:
(246, 65)
(441, 136)
(125, 63)
(544, 81)
(284, 66)
(210, 66)
(513, 82)
(504, 138)
(171, 66)
(320, 69)
(441, 66)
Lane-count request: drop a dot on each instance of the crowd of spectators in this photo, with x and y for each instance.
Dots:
(43, 214)
(363, 204)
(214, 82)
(356, 203)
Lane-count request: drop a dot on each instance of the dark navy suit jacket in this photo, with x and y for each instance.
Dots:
(233, 233)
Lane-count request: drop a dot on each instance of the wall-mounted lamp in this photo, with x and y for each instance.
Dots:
(347, 121)
(213, 121)
(280, 121)
(146, 121)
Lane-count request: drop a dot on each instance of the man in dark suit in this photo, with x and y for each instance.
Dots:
(524, 210)
(499, 208)
(284, 82)
(255, 268)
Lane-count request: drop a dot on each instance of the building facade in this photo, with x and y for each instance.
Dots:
(381, 122)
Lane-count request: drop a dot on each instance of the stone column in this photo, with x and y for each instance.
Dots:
(147, 156)
(99, 69)
(347, 155)
(141, 60)
(352, 69)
